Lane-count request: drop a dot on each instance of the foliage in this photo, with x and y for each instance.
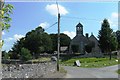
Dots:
(25, 54)
(5, 11)
(118, 38)
(118, 71)
(54, 42)
(75, 48)
(37, 41)
(107, 41)
(114, 42)
(5, 55)
(5, 15)
(64, 40)
(13, 55)
(17, 46)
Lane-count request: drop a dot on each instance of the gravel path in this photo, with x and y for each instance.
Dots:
(77, 72)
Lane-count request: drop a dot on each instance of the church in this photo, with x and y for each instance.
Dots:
(79, 42)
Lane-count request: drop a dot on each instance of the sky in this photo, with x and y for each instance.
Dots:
(29, 15)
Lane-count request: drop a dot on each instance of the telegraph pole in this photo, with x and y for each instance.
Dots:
(58, 52)
(58, 47)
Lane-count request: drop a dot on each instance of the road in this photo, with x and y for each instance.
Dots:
(78, 72)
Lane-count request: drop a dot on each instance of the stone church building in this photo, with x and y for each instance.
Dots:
(81, 41)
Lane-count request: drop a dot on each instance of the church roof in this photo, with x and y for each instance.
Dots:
(93, 38)
(79, 25)
(78, 39)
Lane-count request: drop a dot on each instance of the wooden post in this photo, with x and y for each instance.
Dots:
(58, 52)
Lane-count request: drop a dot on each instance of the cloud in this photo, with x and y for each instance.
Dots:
(113, 20)
(8, 42)
(44, 25)
(14, 38)
(114, 15)
(3, 33)
(52, 9)
(9, 39)
(70, 34)
(18, 36)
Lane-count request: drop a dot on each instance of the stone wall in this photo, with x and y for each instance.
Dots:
(38, 70)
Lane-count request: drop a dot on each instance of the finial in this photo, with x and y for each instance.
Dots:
(91, 33)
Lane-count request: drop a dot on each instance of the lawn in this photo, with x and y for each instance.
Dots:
(118, 71)
(91, 62)
(42, 59)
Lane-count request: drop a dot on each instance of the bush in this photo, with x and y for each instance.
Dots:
(75, 48)
(25, 54)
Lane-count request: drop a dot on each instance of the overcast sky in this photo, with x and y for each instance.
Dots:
(29, 15)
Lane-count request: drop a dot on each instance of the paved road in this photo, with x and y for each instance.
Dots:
(77, 72)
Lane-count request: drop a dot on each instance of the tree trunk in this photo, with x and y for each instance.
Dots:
(110, 55)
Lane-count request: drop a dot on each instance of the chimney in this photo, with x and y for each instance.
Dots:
(87, 35)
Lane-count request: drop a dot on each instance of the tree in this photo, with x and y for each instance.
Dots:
(118, 38)
(114, 42)
(38, 41)
(107, 41)
(64, 40)
(5, 11)
(54, 42)
(5, 55)
(75, 48)
(17, 47)
(25, 54)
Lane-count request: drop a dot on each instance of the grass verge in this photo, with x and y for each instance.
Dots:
(62, 70)
(42, 59)
(91, 62)
(118, 71)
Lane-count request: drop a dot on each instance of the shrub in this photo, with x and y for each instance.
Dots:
(75, 48)
(25, 54)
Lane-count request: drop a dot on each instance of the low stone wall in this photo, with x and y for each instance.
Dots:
(38, 70)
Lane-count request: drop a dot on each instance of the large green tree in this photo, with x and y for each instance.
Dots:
(64, 40)
(107, 40)
(25, 54)
(118, 38)
(37, 41)
(16, 48)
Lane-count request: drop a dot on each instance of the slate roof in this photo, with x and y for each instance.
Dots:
(79, 24)
(93, 38)
(80, 38)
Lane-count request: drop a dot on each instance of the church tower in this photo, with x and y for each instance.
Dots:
(79, 29)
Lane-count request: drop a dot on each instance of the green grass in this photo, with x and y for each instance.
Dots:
(118, 71)
(42, 59)
(91, 62)
(62, 70)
